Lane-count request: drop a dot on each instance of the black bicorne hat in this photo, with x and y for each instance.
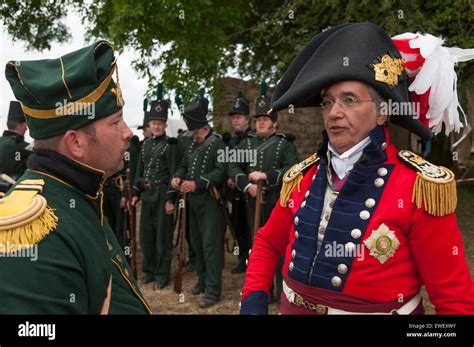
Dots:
(355, 51)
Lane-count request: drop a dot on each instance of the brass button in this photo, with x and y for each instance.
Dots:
(250, 251)
(293, 254)
(382, 171)
(379, 182)
(297, 236)
(369, 203)
(306, 194)
(356, 233)
(336, 281)
(364, 215)
(119, 258)
(342, 269)
(383, 146)
(303, 204)
(291, 266)
(350, 247)
(297, 220)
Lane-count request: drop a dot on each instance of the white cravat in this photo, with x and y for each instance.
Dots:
(343, 163)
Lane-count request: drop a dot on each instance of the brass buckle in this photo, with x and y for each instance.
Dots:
(317, 309)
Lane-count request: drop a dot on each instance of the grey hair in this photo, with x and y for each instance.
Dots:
(379, 100)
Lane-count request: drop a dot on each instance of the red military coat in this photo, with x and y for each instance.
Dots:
(374, 209)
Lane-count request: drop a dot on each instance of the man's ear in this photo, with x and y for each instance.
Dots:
(382, 118)
(73, 143)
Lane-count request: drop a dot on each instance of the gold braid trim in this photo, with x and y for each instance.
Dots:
(293, 178)
(287, 189)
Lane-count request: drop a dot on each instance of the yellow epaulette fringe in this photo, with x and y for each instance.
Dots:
(25, 218)
(435, 186)
(438, 199)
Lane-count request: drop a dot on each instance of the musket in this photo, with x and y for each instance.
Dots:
(181, 254)
(131, 218)
(258, 207)
(216, 194)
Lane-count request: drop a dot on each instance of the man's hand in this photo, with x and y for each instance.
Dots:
(135, 200)
(188, 186)
(123, 202)
(176, 183)
(169, 207)
(252, 190)
(230, 183)
(257, 176)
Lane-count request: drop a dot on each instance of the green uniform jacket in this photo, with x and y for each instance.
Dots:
(77, 258)
(157, 163)
(205, 167)
(13, 154)
(274, 160)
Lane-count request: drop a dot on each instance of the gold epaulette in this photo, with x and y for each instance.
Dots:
(435, 186)
(25, 218)
(293, 177)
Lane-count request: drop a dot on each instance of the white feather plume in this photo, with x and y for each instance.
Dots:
(438, 74)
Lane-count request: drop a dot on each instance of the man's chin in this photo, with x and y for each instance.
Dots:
(117, 169)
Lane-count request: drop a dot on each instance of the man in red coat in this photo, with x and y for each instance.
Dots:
(362, 226)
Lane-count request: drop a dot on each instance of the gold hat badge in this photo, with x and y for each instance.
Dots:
(388, 70)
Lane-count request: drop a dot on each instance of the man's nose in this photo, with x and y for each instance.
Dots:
(127, 132)
(336, 111)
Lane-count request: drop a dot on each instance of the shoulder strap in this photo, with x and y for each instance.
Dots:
(263, 146)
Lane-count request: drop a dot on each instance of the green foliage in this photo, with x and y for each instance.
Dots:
(194, 43)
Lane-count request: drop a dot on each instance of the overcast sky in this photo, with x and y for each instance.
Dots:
(133, 88)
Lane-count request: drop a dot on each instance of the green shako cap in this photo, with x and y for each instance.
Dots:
(68, 92)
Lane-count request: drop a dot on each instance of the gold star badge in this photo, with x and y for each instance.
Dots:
(382, 243)
(388, 70)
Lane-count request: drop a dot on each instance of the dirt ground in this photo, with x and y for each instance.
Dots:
(166, 301)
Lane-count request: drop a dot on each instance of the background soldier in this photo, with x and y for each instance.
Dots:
(57, 202)
(200, 175)
(185, 140)
(155, 167)
(241, 125)
(13, 148)
(273, 153)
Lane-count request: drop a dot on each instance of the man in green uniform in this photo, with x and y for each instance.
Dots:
(272, 155)
(199, 176)
(155, 167)
(72, 262)
(240, 118)
(185, 140)
(14, 149)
